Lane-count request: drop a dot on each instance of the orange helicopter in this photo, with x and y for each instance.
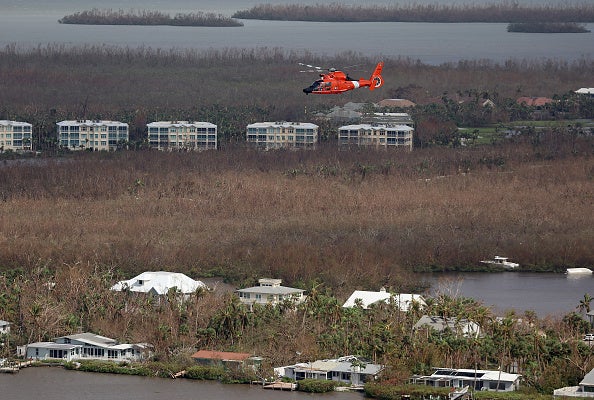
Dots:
(335, 82)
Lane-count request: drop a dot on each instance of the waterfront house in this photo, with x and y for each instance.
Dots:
(348, 369)
(226, 359)
(159, 283)
(4, 327)
(270, 291)
(481, 380)
(366, 298)
(585, 388)
(462, 326)
(86, 346)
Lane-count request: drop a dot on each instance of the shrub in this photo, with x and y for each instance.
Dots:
(316, 386)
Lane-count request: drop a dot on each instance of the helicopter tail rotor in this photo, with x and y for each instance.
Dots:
(376, 78)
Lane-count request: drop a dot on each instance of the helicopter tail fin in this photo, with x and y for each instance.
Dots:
(376, 78)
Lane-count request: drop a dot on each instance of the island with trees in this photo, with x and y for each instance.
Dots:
(97, 16)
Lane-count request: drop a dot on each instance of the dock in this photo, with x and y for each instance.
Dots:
(11, 367)
(281, 386)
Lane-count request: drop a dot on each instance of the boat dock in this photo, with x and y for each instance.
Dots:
(13, 366)
(281, 386)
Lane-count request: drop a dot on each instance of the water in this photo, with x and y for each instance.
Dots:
(544, 293)
(30, 23)
(55, 383)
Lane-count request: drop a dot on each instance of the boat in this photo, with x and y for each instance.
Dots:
(458, 393)
(578, 271)
(503, 262)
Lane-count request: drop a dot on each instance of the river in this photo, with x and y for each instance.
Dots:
(30, 23)
(55, 383)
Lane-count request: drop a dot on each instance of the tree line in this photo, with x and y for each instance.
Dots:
(452, 13)
(97, 16)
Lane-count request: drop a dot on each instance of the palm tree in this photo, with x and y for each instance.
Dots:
(584, 304)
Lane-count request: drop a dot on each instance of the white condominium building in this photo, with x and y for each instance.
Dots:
(276, 135)
(378, 135)
(15, 135)
(182, 135)
(93, 135)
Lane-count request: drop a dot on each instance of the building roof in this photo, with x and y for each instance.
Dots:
(91, 123)
(92, 339)
(4, 323)
(368, 298)
(342, 364)
(377, 127)
(54, 346)
(271, 290)
(166, 124)
(585, 91)
(484, 375)
(283, 124)
(534, 101)
(588, 379)
(159, 282)
(221, 355)
(440, 323)
(14, 123)
(396, 103)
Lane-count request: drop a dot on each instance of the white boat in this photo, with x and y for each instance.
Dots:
(501, 262)
(578, 271)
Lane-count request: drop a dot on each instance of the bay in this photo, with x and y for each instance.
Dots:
(31, 23)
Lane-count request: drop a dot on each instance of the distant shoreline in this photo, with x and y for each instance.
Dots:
(547, 27)
(491, 13)
(96, 16)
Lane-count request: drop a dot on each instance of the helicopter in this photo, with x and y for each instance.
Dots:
(335, 82)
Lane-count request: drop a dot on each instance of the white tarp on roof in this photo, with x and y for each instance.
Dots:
(160, 282)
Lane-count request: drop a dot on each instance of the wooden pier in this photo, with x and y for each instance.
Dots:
(281, 386)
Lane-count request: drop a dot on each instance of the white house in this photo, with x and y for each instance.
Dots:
(367, 298)
(4, 327)
(348, 369)
(85, 346)
(159, 283)
(475, 378)
(270, 291)
(585, 388)
(464, 327)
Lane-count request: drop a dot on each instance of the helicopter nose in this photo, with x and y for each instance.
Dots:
(307, 90)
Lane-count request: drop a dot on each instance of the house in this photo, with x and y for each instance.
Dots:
(367, 298)
(351, 111)
(348, 369)
(270, 291)
(15, 136)
(182, 135)
(586, 91)
(277, 135)
(440, 324)
(85, 346)
(396, 103)
(480, 380)
(377, 135)
(92, 135)
(226, 359)
(585, 388)
(4, 327)
(159, 283)
(537, 102)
